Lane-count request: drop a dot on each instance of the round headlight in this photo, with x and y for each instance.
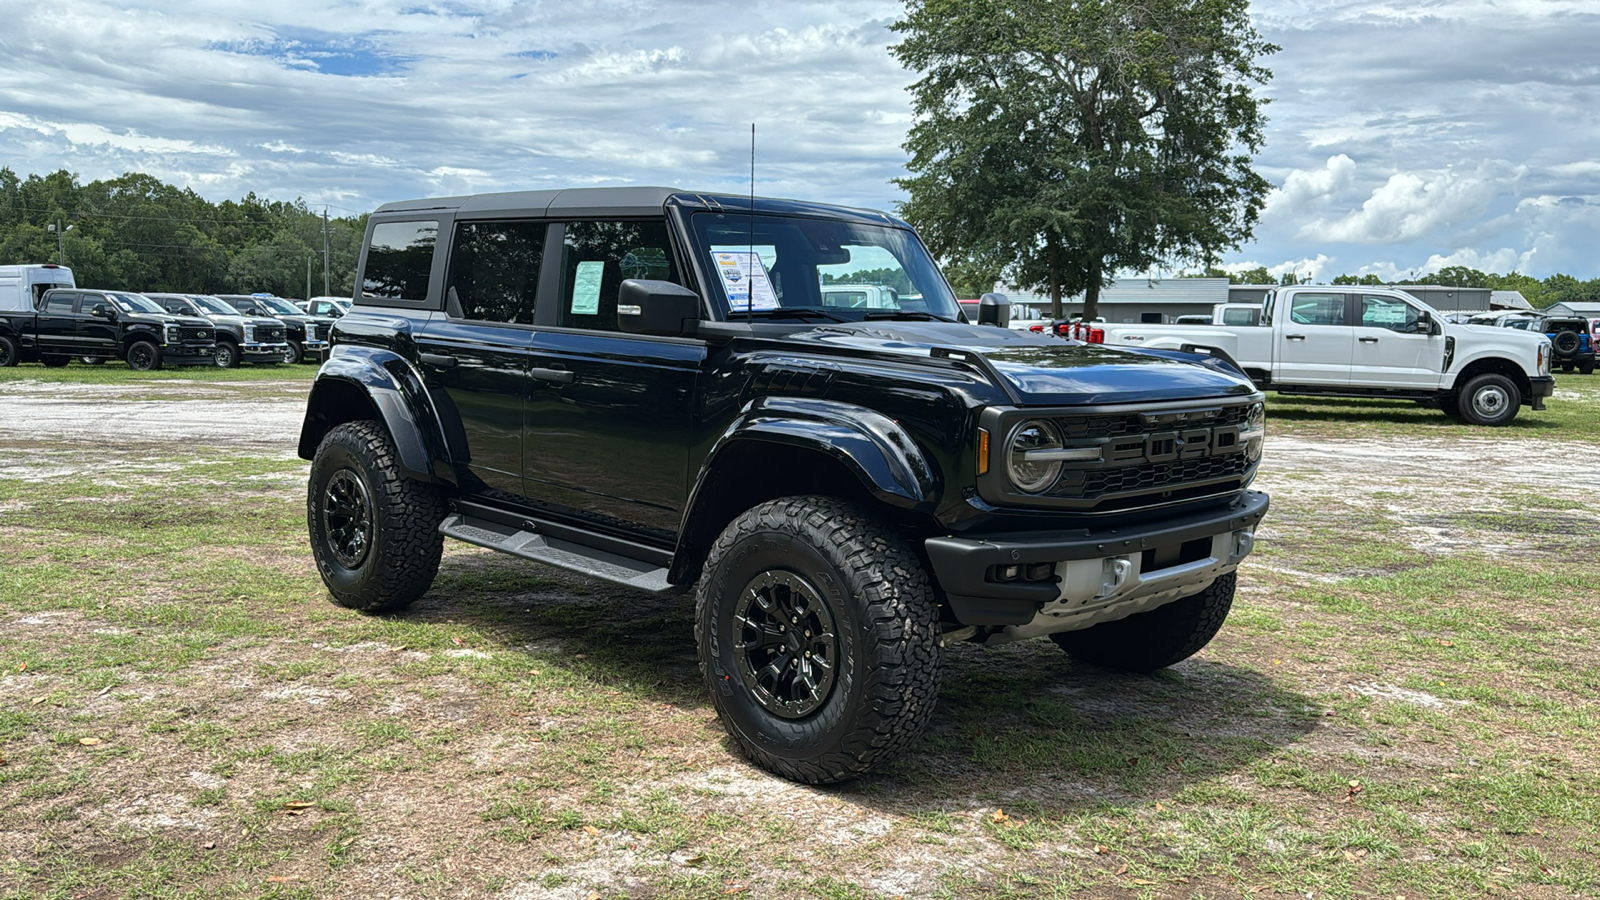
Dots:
(1033, 475)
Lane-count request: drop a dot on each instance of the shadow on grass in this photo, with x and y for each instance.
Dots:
(1020, 714)
(1389, 412)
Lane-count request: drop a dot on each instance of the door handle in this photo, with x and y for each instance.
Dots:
(559, 376)
(442, 360)
(1368, 340)
(1295, 337)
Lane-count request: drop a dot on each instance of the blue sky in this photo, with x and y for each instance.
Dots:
(1404, 136)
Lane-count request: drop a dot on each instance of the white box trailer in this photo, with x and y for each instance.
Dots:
(22, 286)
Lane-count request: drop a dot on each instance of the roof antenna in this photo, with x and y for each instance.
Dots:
(750, 217)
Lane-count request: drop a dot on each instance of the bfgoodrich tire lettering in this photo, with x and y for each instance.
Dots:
(1155, 639)
(884, 678)
(374, 533)
(1489, 399)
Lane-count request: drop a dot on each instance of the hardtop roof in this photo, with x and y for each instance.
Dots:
(624, 201)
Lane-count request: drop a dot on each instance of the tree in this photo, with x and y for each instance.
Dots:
(1461, 276)
(1258, 275)
(1072, 139)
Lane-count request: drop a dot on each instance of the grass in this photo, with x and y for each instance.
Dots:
(1402, 703)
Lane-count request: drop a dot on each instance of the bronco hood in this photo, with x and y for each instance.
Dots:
(1047, 371)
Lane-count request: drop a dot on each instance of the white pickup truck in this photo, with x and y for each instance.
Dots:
(1365, 342)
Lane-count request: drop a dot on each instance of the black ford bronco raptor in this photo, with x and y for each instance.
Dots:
(653, 387)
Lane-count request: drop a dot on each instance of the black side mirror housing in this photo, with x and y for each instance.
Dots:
(994, 309)
(100, 311)
(1426, 324)
(658, 308)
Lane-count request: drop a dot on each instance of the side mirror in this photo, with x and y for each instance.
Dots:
(100, 311)
(1426, 324)
(657, 307)
(994, 309)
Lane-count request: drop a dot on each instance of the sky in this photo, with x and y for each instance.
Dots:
(1404, 136)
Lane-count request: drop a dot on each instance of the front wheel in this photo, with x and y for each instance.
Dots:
(292, 353)
(1156, 639)
(818, 638)
(144, 356)
(374, 532)
(1489, 399)
(227, 355)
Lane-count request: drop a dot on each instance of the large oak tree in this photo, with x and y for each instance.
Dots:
(1067, 140)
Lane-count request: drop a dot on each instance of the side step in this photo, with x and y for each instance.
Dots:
(551, 551)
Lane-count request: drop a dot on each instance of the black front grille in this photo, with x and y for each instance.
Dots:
(270, 335)
(1132, 424)
(1090, 484)
(194, 333)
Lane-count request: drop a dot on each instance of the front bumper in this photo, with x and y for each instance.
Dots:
(263, 352)
(189, 354)
(316, 346)
(1540, 387)
(1096, 574)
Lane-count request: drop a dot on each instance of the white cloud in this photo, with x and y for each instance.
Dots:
(1312, 189)
(1409, 205)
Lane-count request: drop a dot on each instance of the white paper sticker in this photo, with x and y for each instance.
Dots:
(586, 288)
(745, 280)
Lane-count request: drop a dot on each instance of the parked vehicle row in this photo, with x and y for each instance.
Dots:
(1572, 338)
(52, 322)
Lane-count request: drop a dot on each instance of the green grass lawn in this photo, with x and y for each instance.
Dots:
(1402, 703)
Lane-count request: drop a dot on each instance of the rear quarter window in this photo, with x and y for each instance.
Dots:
(399, 261)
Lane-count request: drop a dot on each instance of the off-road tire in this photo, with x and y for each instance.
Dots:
(1156, 639)
(885, 618)
(9, 354)
(1566, 343)
(227, 355)
(1489, 399)
(293, 353)
(143, 356)
(55, 361)
(1586, 369)
(401, 525)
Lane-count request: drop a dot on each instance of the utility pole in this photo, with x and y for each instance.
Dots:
(325, 288)
(308, 275)
(61, 244)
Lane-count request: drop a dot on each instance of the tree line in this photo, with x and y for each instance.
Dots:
(137, 233)
(1557, 288)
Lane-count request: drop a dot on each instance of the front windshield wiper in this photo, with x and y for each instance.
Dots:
(795, 312)
(906, 315)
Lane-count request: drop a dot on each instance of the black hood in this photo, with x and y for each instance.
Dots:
(1048, 371)
(150, 318)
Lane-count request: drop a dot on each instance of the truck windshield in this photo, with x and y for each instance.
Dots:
(280, 307)
(782, 266)
(129, 303)
(214, 306)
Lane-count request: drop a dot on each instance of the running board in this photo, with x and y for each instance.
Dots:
(556, 552)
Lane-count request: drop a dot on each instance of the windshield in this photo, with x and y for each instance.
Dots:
(137, 303)
(280, 306)
(213, 305)
(772, 265)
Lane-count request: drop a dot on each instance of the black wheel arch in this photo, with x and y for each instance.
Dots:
(1497, 365)
(364, 383)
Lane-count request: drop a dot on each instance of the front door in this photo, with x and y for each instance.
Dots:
(1389, 349)
(1315, 344)
(97, 334)
(608, 421)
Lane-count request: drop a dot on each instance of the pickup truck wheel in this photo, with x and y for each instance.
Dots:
(1156, 639)
(292, 353)
(374, 532)
(227, 355)
(1489, 399)
(54, 361)
(9, 354)
(144, 356)
(818, 638)
(1586, 369)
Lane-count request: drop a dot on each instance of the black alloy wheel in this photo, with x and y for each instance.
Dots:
(144, 356)
(347, 518)
(8, 353)
(1566, 343)
(787, 645)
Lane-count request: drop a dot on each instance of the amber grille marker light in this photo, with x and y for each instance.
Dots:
(983, 452)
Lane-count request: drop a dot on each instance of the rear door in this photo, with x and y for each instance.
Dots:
(608, 421)
(58, 324)
(1390, 350)
(476, 357)
(1315, 343)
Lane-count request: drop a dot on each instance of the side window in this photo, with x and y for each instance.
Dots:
(399, 258)
(1240, 317)
(595, 259)
(1388, 312)
(59, 302)
(1316, 309)
(494, 269)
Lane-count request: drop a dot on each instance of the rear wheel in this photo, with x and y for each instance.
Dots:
(9, 354)
(1586, 369)
(818, 638)
(144, 356)
(1489, 399)
(1156, 639)
(374, 532)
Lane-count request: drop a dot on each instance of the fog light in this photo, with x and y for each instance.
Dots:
(1041, 571)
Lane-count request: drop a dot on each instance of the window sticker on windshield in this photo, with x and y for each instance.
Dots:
(745, 280)
(586, 288)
